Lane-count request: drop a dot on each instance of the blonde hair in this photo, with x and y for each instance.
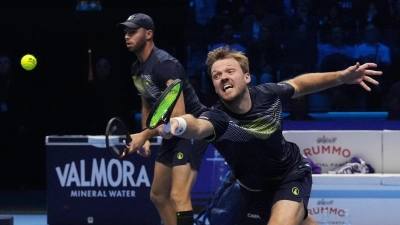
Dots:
(226, 53)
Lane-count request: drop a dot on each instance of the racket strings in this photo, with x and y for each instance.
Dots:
(163, 110)
(116, 138)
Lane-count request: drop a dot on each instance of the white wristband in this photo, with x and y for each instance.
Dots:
(181, 126)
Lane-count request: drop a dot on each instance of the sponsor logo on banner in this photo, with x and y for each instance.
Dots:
(333, 211)
(327, 146)
(333, 149)
(93, 178)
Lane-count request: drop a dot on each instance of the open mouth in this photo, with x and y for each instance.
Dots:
(228, 86)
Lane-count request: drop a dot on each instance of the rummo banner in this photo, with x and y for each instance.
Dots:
(367, 204)
(332, 149)
(391, 153)
(85, 185)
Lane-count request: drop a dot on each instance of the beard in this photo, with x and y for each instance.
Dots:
(139, 46)
(236, 99)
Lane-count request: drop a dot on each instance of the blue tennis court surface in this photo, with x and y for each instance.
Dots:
(40, 219)
(19, 219)
(26, 207)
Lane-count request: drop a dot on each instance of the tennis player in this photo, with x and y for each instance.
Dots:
(178, 160)
(246, 127)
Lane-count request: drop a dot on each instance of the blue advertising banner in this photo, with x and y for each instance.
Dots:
(85, 185)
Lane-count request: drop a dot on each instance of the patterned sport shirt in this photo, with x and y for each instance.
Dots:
(252, 143)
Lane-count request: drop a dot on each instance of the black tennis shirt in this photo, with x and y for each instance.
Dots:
(252, 143)
(151, 76)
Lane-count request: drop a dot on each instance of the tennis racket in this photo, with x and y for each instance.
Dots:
(117, 138)
(162, 109)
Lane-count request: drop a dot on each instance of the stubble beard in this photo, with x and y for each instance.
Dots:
(140, 45)
(235, 100)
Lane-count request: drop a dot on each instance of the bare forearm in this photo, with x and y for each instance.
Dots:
(145, 113)
(179, 108)
(195, 128)
(314, 82)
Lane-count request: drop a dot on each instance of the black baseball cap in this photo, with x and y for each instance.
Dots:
(138, 20)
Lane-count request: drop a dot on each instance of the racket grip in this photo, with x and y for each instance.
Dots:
(167, 127)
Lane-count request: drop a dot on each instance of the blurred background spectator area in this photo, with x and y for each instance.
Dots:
(285, 38)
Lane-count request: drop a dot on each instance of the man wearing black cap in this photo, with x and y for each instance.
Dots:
(178, 160)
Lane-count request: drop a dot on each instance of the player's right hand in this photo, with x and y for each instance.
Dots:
(173, 126)
(162, 133)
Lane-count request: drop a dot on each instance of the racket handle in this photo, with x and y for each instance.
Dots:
(167, 127)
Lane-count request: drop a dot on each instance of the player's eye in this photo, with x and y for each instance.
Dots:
(130, 32)
(216, 76)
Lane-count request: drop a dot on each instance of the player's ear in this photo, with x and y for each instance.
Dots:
(149, 34)
(247, 77)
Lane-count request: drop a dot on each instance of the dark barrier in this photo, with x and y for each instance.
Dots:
(6, 220)
(86, 186)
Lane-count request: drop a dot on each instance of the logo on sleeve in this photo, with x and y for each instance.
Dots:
(295, 191)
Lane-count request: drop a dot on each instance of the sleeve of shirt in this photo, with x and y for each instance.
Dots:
(168, 70)
(284, 90)
(219, 120)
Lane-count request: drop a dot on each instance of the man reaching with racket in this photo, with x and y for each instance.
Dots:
(178, 160)
(245, 125)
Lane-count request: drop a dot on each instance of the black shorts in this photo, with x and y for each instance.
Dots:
(296, 186)
(177, 151)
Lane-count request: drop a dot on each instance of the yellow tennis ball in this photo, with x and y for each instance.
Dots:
(28, 62)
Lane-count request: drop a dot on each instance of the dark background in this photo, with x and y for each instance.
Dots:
(53, 98)
(59, 36)
(53, 93)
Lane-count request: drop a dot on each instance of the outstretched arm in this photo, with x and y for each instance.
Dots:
(314, 82)
(188, 127)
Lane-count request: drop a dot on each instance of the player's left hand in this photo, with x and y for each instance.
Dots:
(358, 74)
(139, 143)
(145, 150)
